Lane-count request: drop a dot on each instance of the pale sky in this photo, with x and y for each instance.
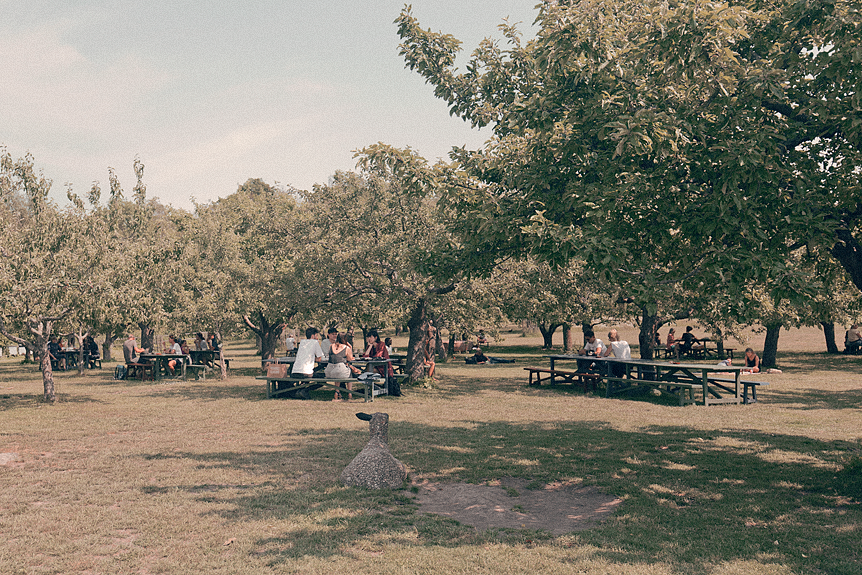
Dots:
(209, 94)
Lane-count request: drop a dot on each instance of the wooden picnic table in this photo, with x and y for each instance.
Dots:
(682, 380)
(160, 363)
(294, 385)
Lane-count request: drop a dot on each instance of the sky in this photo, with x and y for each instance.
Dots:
(211, 93)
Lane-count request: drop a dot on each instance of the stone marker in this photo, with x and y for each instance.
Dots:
(375, 467)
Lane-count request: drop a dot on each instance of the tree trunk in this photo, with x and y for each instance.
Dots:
(450, 349)
(147, 336)
(79, 338)
(568, 338)
(268, 334)
(415, 365)
(45, 366)
(770, 346)
(110, 337)
(829, 334)
(646, 336)
(548, 333)
(223, 370)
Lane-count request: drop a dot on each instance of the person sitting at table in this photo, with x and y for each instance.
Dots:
(185, 347)
(338, 367)
(308, 354)
(131, 351)
(289, 342)
(671, 342)
(481, 339)
(174, 348)
(620, 349)
(388, 343)
(377, 350)
(853, 339)
(212, 343)
(57, 358)
(331, 337)
(592, 347)
(688, 342)
(200, 342)
(752, 361)
(91, 351)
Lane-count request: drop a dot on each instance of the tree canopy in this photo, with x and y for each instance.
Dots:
(717, 137)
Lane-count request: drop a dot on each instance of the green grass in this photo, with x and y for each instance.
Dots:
(210, 477)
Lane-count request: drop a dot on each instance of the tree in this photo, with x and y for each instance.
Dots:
(715, 137)
(379, 239)
(244, 251)
(46, 268)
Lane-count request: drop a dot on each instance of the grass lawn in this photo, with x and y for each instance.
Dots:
(211, 477)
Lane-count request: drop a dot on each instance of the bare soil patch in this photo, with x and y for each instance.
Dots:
(509, 503)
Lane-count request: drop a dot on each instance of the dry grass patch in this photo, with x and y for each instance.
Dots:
(131, 477)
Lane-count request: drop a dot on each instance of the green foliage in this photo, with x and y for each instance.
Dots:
(663, 142)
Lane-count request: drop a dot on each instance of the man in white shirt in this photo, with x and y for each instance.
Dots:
(593, 347)
(308, 353)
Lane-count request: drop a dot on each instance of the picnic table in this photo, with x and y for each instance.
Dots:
(299, 386)
(688, 382)
(160, 361)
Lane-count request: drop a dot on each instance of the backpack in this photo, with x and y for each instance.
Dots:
(120, 372)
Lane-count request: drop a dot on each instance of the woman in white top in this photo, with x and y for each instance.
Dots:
(621, 350)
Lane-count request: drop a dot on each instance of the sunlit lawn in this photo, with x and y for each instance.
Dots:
(210, 477)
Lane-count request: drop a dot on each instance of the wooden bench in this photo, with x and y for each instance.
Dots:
(747, 386)
(298, 387)
(583, 379)
(682, 391)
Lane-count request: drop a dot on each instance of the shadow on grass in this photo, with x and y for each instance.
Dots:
(693, 498)
(806, 400)
(11, 401)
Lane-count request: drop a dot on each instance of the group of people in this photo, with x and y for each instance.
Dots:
(58, 357)
(621, 349)
(685, 344)
(175, 346)
(594, 347)
(338, 354)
